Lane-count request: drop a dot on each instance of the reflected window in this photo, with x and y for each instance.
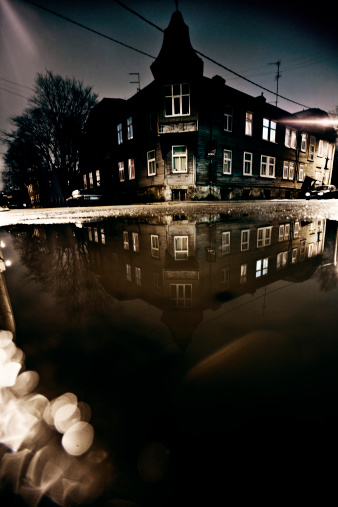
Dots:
(91, 180)
(128, 272)
(296, 230)
(302, 250)
(294, 255)
(320, 148)
(181, 295)
(262, 267)
(264, 236)
(282, 259)
(225, 242)
(312, 148)
(155, 246)
(138, 276)
(135, 241)
(103, 236)
(226, 277)
(245, 239)
(301, 172)
(98, 177)
(284, 232)
(244, 272)
(125, 240)
(181, 247)
(157, 287)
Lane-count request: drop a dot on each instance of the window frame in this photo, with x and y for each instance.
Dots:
(155, 246)
(181, 254)
(175, 98)
(228, 116)
(119, 133)
(249, 162)
(248, 123)
(268, 165)
(265, 239)
(180, 157)
(269, 130)
(135, 241)
(130, 128)
(122, 176)
(151, 162)
(227, 162)
(125, 237)
(312, 148)
(262, 267)
(245, 244)
(131, 168)
(303, 142)
(183, 299)
(225, 242)
(290, 138)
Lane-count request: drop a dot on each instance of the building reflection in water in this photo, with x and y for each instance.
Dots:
(184, 266)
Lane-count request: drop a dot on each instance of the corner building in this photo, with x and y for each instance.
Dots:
(189, 137)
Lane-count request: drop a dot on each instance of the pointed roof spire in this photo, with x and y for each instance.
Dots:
(177, 58)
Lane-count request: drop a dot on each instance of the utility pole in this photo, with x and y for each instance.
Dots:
(138, 79)
(278, 75)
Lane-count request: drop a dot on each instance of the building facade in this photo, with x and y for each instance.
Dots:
(187, 137)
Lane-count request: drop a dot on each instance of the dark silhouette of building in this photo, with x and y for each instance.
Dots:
(187, 136)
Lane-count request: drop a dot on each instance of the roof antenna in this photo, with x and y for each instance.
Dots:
(277, 76)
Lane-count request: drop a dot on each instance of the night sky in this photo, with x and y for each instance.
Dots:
(244, 36)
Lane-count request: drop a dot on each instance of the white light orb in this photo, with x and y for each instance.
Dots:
(78, 438)
(66, 416)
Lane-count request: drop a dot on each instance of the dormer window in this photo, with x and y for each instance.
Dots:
(177, 100)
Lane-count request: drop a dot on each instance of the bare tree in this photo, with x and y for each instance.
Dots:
(44, 145)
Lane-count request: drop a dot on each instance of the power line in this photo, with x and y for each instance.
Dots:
(9, 91)
(89, 29)
(147, 54)
(17, 84)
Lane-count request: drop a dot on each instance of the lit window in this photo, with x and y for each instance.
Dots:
(302, 250)
(121, 171)
(244, 272)
(267, 166)
(225, 242)
(180, 159)
(103, 236)
(85, 181)
(264, 236)
(98, 178)
(135, 241)
(130, 131)
(245, 239)
(312, 148)
(155, 247)
(181, 247)
(125, 240)
(91, 180)
(303, 144)
(227, 162)
(151, 163)
(181, 295)
(128, 272)
(119, 134)
(296, 230)
(262, 267)
(247, 164)
(284, 232)
(269, 130)
(290, 138)
(177, 100)
(228, 119)
(131, 169)
(291, 170)
(310, 250)
(282, 259)
(248, 124)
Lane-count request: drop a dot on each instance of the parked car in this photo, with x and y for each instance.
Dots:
(84, 197)
(322, 192)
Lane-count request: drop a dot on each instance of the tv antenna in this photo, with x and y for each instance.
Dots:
(277, 76)
(138, 79)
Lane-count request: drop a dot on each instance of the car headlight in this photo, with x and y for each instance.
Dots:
(320, 193)
(307, 194)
